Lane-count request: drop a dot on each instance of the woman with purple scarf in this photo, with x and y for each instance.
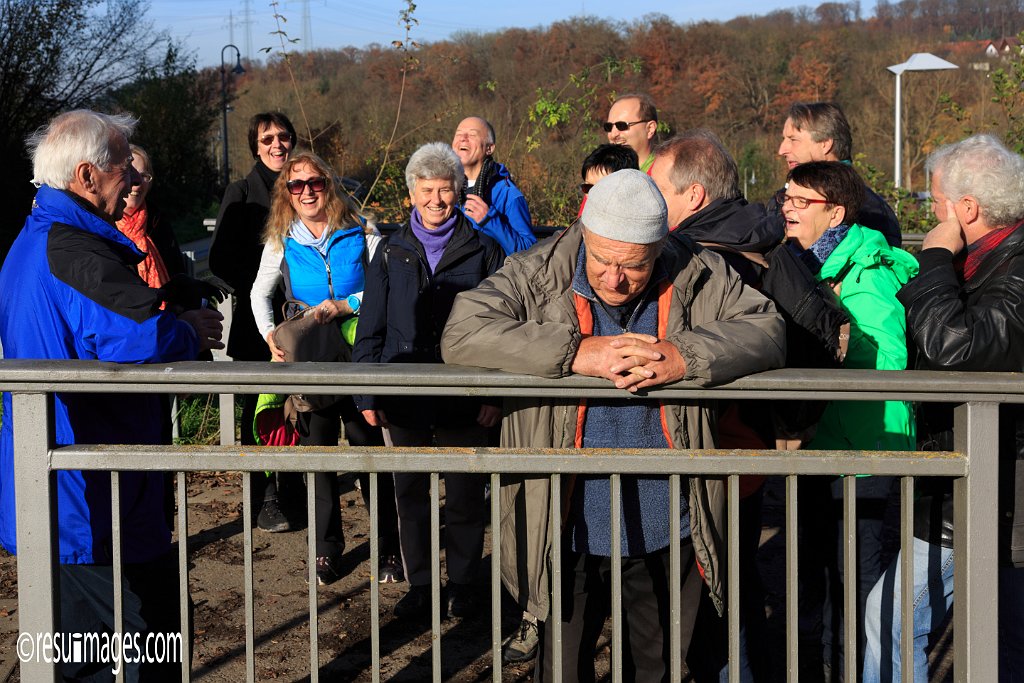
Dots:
(411, 284)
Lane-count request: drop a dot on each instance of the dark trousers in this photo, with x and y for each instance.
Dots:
(150, 606)
(586, 593)
(821, 566)
(322, 428)
(465, 513)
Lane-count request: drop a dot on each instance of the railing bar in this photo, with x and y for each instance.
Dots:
(184, 656)
(314, 615)
(435, 573)
(117, 559)
(374, 511)
(36, 519)
(850, 573)
(674, 586)
(247, 562)
(907, 578)
(733, 614)
(555, 632)
(496, 577)
(975, 541)
(615, 486)
(792, 579)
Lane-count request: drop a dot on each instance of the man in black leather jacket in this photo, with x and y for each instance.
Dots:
(965, 312)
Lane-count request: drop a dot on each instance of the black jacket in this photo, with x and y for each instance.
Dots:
(738, 227)
(404, 311)
(874, 213)
(977, 326)
(235, 256)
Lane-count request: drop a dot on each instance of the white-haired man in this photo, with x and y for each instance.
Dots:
(610, 298)
(964, 312)
(70, 289)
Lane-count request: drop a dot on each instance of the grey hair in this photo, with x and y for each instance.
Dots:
(698, 156)
(71, 138)
(982, 167)
(435, 160)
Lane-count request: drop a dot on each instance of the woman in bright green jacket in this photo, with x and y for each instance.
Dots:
(818, 204)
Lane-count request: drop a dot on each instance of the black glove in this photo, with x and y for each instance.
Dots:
(188, 293)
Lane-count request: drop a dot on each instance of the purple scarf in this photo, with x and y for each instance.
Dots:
(433, 241)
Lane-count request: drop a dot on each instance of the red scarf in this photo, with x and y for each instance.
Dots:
(982, 247)
(151, 269)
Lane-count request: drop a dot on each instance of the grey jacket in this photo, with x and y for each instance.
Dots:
(522, 319)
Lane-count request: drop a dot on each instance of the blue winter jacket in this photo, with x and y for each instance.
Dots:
(508, 217)
(69, 289)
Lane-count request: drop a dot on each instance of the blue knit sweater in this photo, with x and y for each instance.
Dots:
(644, 502)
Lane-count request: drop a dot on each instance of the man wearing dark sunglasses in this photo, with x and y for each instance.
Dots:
(633, 121)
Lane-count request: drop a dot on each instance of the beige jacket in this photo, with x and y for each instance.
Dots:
(522, 319)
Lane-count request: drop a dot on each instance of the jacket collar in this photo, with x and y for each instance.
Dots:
(63, 206)
(1011, 246)
(463, 236)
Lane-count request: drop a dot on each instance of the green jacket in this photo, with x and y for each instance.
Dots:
(522, 319)
(878, 341)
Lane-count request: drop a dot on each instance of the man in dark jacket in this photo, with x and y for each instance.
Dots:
(819, 131)
(490, 200)
(963, 313)
(70, 290)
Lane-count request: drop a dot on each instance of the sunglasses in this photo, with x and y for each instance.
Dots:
(299, 186)
(620, 125)
(798, 203)
(283, 138)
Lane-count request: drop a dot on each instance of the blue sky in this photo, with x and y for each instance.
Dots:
(206, 26)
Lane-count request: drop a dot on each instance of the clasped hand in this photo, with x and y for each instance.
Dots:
(630, 361)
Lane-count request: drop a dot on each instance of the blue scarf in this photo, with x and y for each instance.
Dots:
(433, 241)
(815, 256)
(301, 234)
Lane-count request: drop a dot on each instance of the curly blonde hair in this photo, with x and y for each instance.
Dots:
(341, 209)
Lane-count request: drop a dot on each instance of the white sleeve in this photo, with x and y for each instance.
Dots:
(268, 277)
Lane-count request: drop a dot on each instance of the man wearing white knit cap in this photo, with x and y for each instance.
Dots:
(609, 298)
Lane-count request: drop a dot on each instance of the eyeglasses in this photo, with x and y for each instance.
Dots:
(283, 138)
(299, 186)
(585, 187)
(799, 203)
(621, 125)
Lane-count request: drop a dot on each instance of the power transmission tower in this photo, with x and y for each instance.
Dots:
(307, 27)
(247, 22)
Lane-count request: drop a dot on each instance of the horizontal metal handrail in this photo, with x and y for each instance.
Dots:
(453, 380)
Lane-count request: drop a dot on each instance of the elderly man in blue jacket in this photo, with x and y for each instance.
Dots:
(491, 200)
(69, 289)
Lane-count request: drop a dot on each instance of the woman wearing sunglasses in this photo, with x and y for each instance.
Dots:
(819, 206)
(315, 246)
(234, 258)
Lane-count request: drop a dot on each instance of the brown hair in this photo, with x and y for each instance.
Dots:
(341, 210)
(837, 182)
(824, 121)
(698, 156)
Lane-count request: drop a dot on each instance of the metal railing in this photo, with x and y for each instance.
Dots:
(974, 467)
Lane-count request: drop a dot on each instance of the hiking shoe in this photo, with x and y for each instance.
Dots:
(391, 570)
(415, 604)
(271, 518)
(462, 601)
(521, 646)
(327, 570)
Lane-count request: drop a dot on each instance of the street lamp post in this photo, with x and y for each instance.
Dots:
(919, 61)
(224, 104)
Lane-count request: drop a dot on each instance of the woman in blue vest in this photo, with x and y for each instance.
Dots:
(316, 245)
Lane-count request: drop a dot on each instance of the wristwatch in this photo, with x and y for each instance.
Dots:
(353, 302)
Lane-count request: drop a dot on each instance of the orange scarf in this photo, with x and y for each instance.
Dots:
(152, 268)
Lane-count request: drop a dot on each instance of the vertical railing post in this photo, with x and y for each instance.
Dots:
(36, 510)
(975, 540)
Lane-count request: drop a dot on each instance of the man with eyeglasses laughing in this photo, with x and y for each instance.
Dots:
(633, 120)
